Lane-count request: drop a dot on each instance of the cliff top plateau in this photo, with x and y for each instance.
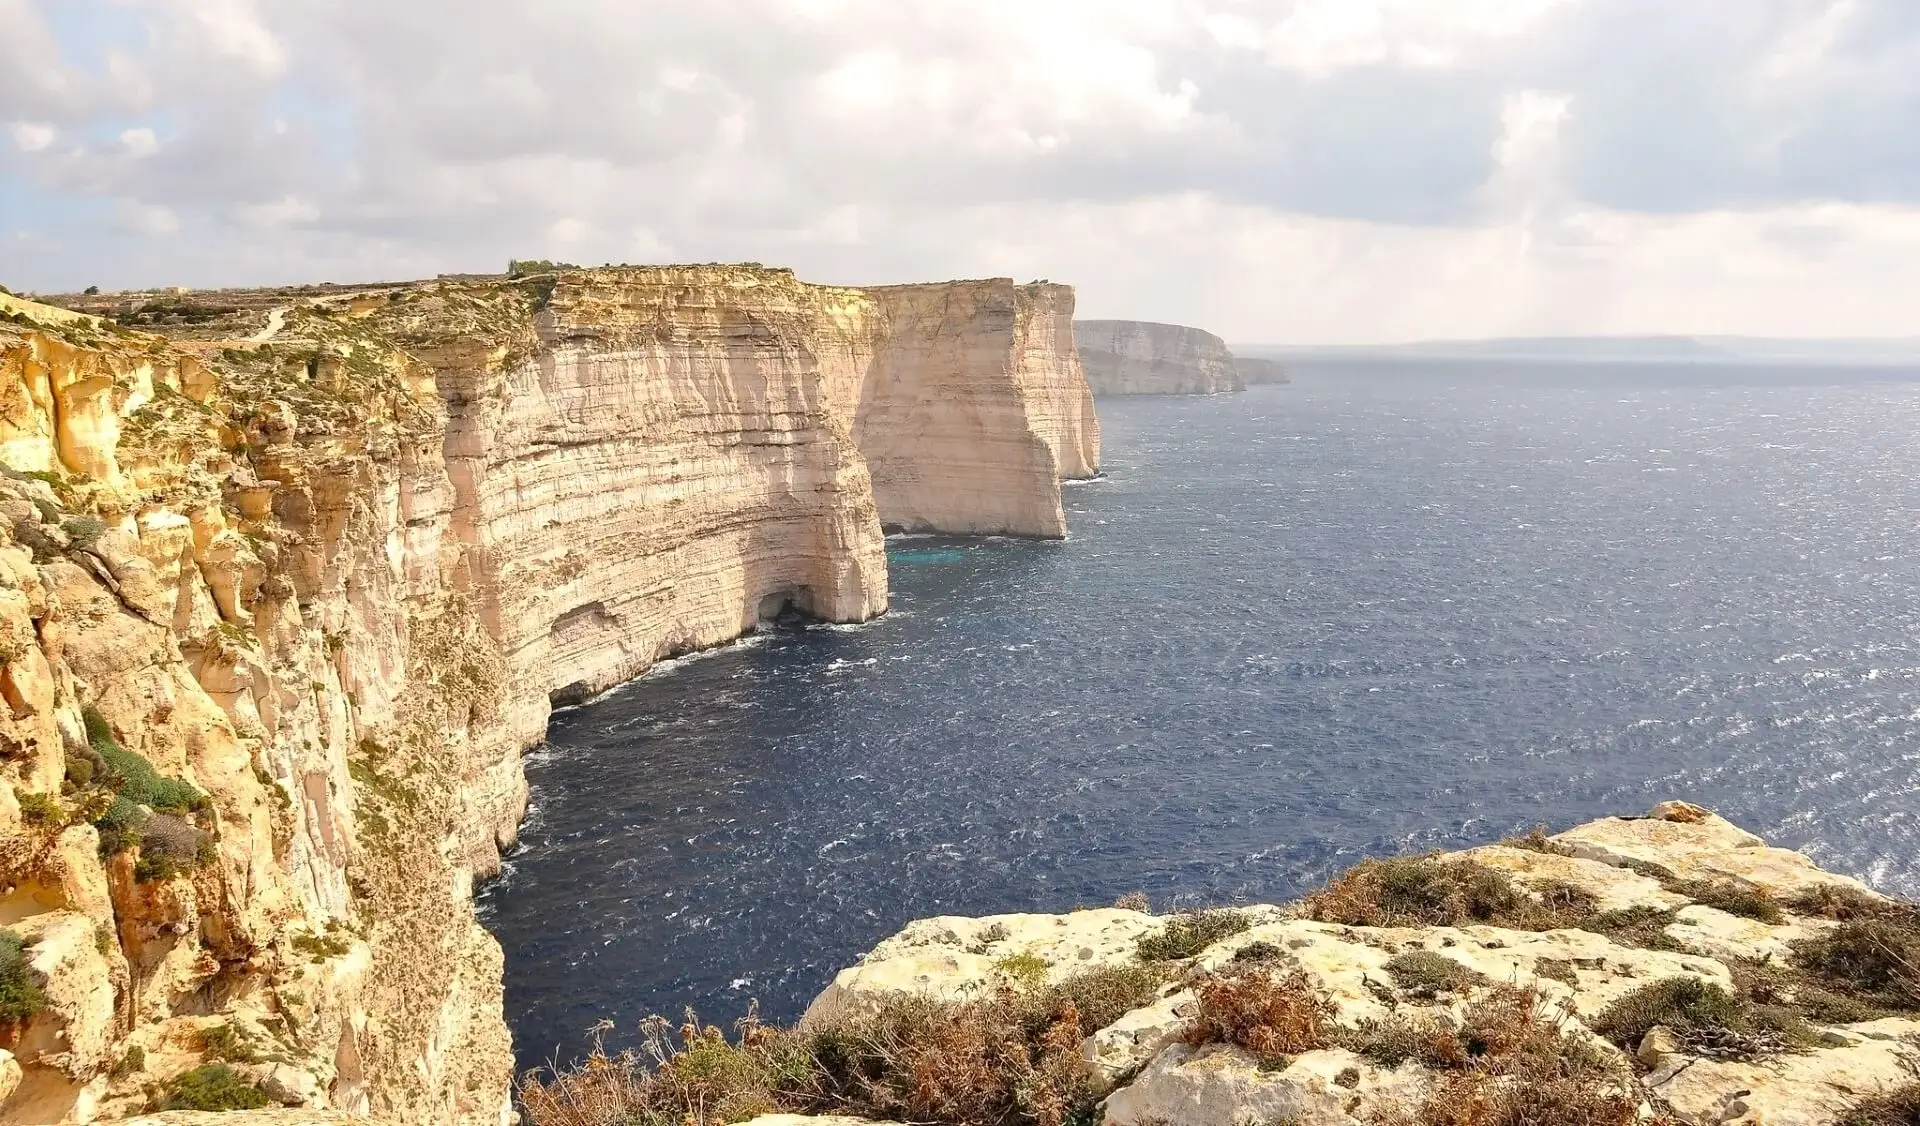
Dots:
(1671, 968)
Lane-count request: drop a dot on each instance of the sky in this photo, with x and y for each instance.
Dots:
(1276, 171)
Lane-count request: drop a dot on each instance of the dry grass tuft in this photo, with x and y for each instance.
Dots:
(1733, 897)
(1706, 1020)
(1536, 840)
(1425, 975)
(1413, 891)
(1190, 932)
(1011, 1057)
(1510, 1062)
(1872, 959)
(1274, 1017)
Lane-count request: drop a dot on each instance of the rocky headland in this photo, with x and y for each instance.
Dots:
(289, 579)
(1255, 371)
(1143, 358)
(1670, 968)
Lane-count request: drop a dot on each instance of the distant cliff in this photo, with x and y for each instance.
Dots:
(1256, 371)
(1142, 358)
(285, 591)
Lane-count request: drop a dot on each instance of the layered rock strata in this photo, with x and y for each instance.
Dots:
(974, 406)
(283, 598)
(1677, 904)
(1143, 358)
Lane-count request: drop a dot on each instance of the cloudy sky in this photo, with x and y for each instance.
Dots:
(1305, 171)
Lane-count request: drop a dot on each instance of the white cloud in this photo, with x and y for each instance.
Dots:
(284, 212)
(139, 142)
(1318, 37)
(1329, 169)
(149, 219)
(32, 136)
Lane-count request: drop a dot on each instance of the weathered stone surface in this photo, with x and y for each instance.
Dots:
(1613, 888)
(1693, 843)
(1804, 1089)
(1143, 358)
(952, 956)
(1207, 1086)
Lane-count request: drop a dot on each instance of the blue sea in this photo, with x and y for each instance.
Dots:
(1383, 609)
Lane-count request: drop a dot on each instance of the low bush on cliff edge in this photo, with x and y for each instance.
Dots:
(139, 782)
(1188, 933)
(1011, 1056)
(1414, 891)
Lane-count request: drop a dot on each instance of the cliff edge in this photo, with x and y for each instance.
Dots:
(288, 579)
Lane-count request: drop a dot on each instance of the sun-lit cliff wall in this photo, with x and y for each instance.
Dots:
(277, 617)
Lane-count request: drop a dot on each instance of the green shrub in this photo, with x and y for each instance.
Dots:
(1188, 933)
(1642, 926)
(134, 1059)
(1874, 960)
(119, 826)
(80, 768)
(1410, 891)
(214, 1086)
(1707, 1020)
(1733, 898)
(139, 781)
(1022, 967)
(1104, 994)
(37, 809)
(84, 531)
(1425, 975)
(20, 995)
(170, 846)
(223, 1043)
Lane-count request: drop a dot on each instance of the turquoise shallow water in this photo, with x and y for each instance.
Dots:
(1370, 612)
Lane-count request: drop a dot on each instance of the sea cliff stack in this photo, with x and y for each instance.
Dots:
(1143, 358)
(288, 583)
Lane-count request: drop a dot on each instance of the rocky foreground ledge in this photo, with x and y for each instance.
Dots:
(1666, 968)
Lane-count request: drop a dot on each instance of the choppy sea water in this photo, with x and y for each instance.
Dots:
(1372, 612)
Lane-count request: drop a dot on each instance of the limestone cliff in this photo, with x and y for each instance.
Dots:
(283, 597)
(975, 407)
(1142, 358)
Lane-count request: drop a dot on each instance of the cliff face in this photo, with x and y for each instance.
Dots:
(277, 618)
(1141, 358)
(975, 407)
